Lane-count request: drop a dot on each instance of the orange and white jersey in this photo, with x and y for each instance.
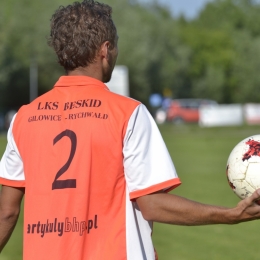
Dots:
(84, 154)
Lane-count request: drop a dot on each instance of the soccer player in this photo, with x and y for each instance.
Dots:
(91, 165)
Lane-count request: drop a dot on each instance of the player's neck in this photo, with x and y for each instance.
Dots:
(90, 71)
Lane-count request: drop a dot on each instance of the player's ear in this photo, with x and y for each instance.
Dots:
(104, 50)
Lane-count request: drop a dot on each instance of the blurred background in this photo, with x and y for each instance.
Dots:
(195, 65)
(174, 49)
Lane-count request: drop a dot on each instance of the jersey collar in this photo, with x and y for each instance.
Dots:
(69, 81)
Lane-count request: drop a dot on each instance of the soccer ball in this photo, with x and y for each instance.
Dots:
(243, 167)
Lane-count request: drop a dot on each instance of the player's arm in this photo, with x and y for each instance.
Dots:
(172, 209)
(10, 201)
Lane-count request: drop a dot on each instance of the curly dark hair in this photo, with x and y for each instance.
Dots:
(78, 31)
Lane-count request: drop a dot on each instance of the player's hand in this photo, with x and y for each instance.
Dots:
(248, 209)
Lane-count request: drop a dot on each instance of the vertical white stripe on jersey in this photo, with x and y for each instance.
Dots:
(138, 233)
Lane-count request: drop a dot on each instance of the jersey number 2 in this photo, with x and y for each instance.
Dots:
(69, 183)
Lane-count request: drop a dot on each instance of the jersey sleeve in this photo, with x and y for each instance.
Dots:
(147, 164)
(11, 164)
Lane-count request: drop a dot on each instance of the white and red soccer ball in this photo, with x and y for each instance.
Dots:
(243, 167)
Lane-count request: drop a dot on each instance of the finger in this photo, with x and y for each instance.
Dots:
(255, 197)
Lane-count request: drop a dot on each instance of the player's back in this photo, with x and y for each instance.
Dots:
(70, 140)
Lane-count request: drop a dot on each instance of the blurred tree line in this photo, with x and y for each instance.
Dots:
(214, 56)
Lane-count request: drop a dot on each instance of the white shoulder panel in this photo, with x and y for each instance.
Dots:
(11, 165)
(146, 159)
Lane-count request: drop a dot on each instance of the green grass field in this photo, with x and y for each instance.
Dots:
(200, 156)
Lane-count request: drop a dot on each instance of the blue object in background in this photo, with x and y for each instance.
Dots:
(155, 100)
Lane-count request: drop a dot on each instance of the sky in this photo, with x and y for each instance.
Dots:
(189, 8)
